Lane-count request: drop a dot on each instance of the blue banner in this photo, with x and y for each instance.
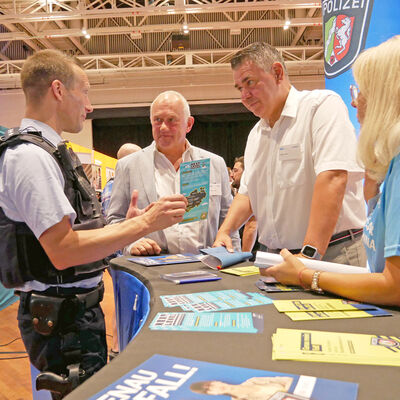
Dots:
(349, 27)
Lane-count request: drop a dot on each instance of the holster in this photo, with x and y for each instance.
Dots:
(52, 313)
(45, 312)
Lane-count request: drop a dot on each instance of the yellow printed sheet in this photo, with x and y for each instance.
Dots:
(242, 271)
(319, 315)
(320, 305)
(335, 347)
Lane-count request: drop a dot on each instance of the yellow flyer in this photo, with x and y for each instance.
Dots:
(318, 315)
(336, 347)
(320, 305)
(242, 271)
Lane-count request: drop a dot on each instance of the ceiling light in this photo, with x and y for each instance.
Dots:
(84, 31)
(186, 31)
(184, 26)
(87, 36)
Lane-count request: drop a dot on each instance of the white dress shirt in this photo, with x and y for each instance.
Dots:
(313, 134)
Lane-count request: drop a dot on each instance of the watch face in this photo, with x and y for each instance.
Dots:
(309, 251)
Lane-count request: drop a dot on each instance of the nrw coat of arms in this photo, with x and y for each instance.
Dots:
(346, 25)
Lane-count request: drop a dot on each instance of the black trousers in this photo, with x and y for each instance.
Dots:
(46, 352)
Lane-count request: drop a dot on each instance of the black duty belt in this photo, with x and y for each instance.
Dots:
(57, 308)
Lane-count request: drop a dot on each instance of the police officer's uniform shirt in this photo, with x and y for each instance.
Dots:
(181, 238)
(313, 135)
(32, 191)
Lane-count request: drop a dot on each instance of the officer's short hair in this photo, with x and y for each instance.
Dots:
(42, 68)
(261, 53)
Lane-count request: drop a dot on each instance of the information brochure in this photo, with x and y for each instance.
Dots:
(242, 271)
(195, 186)
(321, 305)
(315, 309)
(335, 347)
(266, 260)
(316, 315)
(165, 259)
(215, 301)
(234, 322)
(163, 377)
(190, 277)
(220, 257)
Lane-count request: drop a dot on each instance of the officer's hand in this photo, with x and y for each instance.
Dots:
(165, 212)
(145, 247)
(223, 239)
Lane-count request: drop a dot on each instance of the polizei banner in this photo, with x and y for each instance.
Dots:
(346, 25)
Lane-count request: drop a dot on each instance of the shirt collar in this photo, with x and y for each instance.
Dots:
(289, 109)
(47, 132)
(187, 155)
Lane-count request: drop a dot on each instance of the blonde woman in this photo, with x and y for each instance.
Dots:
(377, 74)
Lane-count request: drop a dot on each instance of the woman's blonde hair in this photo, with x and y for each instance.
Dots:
(377, 73)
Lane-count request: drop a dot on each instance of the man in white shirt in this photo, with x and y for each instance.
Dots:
(301, 181)
(154, 172)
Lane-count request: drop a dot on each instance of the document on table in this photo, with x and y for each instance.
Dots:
(335, 347)
(316, 315)
(235, 322)
(220, 257)
(314, 309)
(242, 271)
(215, 301)
(321, 305)
(166, 377)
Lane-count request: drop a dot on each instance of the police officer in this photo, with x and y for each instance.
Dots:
(47, 253)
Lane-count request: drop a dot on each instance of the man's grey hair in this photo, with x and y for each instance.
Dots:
(261, 53)
(186, 108)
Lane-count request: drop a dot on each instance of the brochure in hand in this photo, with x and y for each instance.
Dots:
(165, 377)
(165, 259)
(220, 257)
(195, 186)
(190, 277)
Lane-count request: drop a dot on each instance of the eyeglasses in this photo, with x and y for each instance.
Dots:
(354, 93)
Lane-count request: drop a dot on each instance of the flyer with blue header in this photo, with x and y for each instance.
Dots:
(165, 377)
(195, 186)
(215, 301)
(234, 322)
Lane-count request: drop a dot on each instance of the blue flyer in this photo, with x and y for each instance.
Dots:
(164, 377)
(195, 186)
(215, 301)
(235, 322)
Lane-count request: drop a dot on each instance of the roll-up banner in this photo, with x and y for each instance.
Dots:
(349, 27)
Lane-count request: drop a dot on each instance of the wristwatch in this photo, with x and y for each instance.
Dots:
(310, 252)
(315, 281)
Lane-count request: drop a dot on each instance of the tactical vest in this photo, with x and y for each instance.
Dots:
(22, 258)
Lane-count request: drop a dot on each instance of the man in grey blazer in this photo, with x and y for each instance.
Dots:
(154, 171)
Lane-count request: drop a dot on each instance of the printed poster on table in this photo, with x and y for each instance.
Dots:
(195, 186)
(162, 377)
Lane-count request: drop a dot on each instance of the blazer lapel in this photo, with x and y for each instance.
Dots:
(146, 166)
